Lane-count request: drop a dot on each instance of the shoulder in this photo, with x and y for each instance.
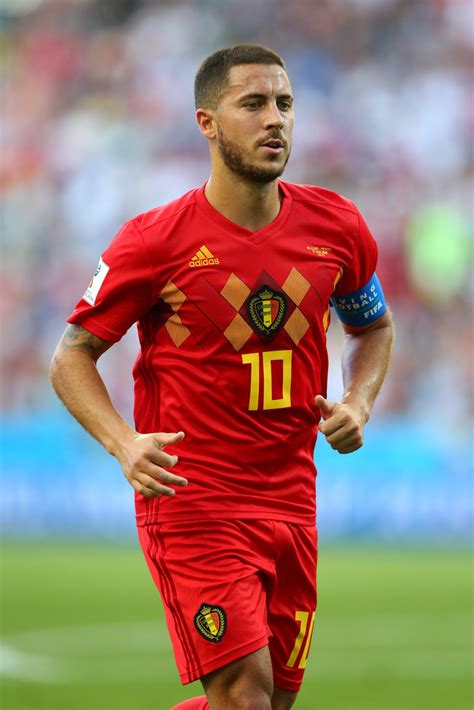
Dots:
(163, 214)
(315, 195)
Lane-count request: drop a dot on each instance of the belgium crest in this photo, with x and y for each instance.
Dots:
(210, 622)
(266, 310)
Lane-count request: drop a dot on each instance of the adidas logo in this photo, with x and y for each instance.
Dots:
(203, 257)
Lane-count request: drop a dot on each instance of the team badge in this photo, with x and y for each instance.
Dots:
(210, 622)
(266, 310)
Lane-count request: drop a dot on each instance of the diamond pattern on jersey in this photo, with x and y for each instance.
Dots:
(235, 291)
(296, 286)
(296, 326)
(230, 313)
(175, 298)
(172, 295)
(177, 330)
(238, 332)
(238, 294)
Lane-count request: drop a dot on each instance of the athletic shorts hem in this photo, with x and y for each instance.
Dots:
(223, 660)
(147, 519)
(293, 686)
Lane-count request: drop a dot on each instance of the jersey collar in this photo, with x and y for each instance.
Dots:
(256, 237)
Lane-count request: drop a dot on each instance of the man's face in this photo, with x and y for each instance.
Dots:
(254, 119)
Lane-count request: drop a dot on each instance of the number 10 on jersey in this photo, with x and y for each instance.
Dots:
(268, 358)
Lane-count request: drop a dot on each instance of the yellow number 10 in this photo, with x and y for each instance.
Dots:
(253, 359)
(305, 634)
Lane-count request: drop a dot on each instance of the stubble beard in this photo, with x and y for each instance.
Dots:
(234, 160)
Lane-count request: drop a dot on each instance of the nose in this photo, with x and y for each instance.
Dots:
(273, 117)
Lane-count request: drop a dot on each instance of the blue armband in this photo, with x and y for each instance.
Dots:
(361, 307)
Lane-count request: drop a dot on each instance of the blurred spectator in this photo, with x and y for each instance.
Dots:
(97, 125)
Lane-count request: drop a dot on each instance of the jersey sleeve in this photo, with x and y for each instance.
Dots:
(121, 291)
(359, 299)
(360, 270)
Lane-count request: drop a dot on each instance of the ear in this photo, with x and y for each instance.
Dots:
(206, 123)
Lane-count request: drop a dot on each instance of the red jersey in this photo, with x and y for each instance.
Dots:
(232, 327)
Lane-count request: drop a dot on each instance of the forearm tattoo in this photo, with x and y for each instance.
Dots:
(77, 338)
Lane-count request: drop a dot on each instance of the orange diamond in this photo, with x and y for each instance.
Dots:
(172, 296)
(296, 286)
(176, 330)
(296, 326)
(235, 291)
(238, 332)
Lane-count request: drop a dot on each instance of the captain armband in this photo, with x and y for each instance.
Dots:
(361, 307)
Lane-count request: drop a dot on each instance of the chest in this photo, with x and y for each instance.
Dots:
(274, 290)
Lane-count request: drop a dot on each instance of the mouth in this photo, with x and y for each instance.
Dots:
(273, 145)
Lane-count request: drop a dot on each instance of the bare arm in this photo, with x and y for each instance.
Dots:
(365, 362)
(78, 384)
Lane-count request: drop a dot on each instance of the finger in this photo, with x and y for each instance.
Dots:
(161, 458)
(148, 484)
(147, 492)
(326, 407)
(144, 490)
(164, 438)
(161, 474)
(171, 478)
(345, 442)
(344, 436)
(331, 425)
(351, 448)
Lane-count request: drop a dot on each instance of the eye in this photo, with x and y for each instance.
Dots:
(252, 105)
(284, 105)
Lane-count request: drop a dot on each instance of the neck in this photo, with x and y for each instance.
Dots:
(250, 205)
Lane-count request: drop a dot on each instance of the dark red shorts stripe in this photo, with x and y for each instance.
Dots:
(187, 643)
(165, 592)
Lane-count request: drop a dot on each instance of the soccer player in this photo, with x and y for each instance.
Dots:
(231, 286)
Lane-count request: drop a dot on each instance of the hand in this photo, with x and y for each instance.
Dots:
(142, 459)
(343, 425)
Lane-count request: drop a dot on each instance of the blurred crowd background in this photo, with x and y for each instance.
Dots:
(97, 125)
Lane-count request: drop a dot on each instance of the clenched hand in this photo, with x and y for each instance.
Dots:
(342, 426)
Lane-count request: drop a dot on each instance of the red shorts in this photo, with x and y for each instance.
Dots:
(231, 587)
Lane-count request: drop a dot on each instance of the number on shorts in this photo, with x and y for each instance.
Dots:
(305, 634)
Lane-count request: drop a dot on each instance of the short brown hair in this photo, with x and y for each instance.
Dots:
(211, 77)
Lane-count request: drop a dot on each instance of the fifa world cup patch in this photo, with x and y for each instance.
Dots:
(96, 282)
(266, 310)
(211, 622)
